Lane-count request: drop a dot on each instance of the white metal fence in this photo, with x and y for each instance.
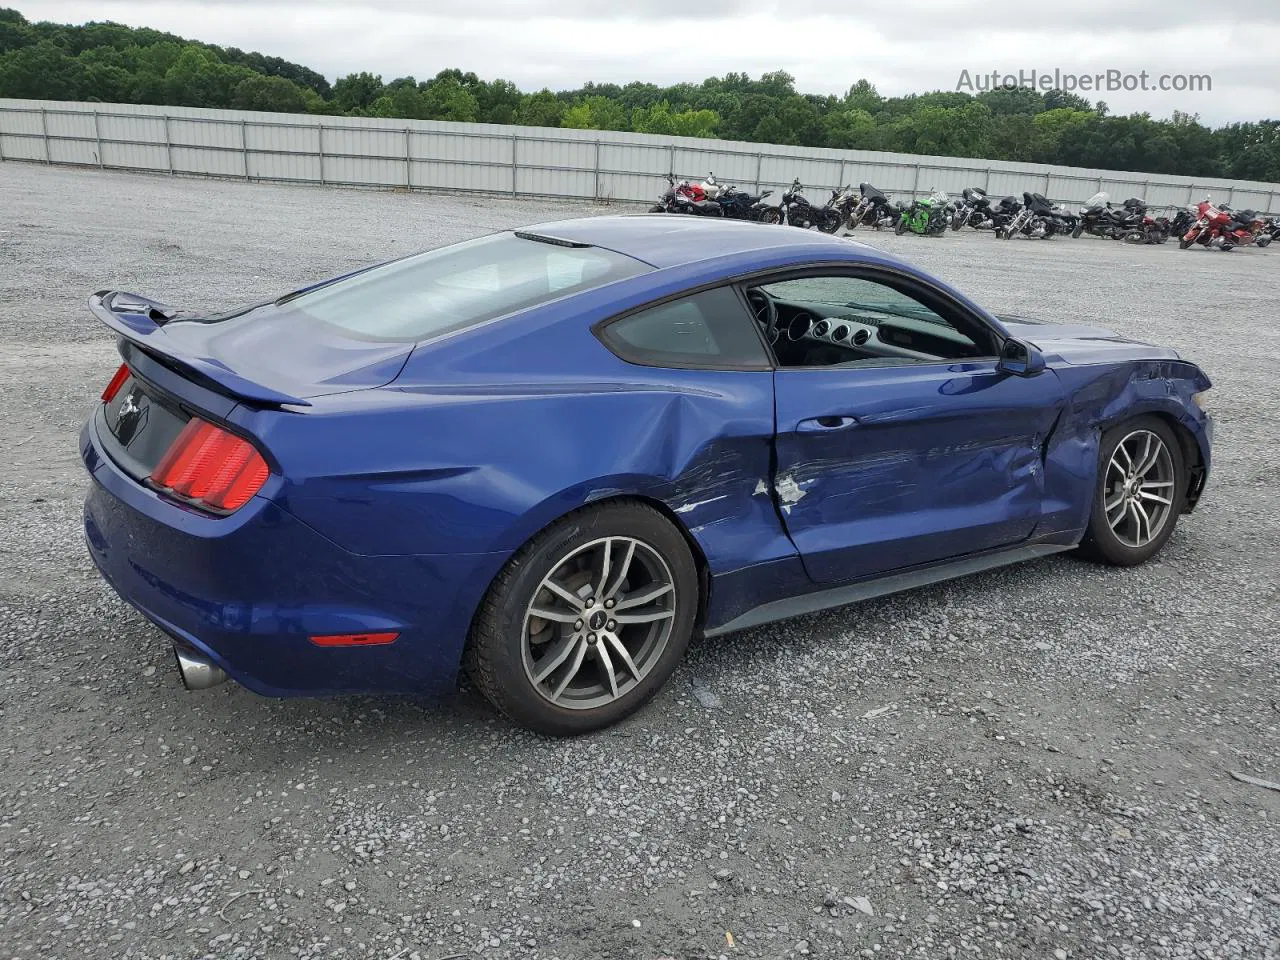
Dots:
(526, 161)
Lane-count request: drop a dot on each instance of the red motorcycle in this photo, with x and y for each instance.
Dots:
(1224, 228)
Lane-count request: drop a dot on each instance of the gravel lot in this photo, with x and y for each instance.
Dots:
(1033, 762)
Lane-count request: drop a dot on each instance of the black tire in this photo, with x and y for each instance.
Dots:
(657, 208)
(1264, 241)
(1100, 541)
(770, 215)
(1079, 229)
(829, 220)
(901, 226)
(1184, 243)
(495, 649)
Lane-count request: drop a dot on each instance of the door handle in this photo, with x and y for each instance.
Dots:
(826, 424)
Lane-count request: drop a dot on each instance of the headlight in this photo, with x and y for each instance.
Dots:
(1199, 399)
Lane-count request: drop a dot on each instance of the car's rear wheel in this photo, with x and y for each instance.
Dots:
(1139, 495)
(587, 621)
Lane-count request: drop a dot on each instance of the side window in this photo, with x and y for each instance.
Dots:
(825, 321)
(709, 329)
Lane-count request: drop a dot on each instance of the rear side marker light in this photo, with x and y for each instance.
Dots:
(116, 382)
(210, 467)
(354, 639)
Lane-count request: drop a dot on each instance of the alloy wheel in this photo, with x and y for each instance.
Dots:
(1138, 489)
(598, 623)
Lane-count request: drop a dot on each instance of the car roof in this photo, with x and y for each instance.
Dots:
(667, 240)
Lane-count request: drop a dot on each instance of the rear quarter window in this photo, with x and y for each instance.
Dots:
(710, 330)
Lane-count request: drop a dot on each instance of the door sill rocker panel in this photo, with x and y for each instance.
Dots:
(882, 586)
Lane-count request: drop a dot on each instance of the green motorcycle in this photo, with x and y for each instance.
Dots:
(929, 217)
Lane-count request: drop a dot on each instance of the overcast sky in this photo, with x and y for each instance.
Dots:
(902, 46)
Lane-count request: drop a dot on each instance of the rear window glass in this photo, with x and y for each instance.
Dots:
(444, 290)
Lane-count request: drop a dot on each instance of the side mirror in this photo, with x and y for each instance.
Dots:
(1020, 359)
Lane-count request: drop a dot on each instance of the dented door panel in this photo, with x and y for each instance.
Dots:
(941, 460)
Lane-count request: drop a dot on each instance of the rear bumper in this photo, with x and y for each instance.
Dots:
(246, 592)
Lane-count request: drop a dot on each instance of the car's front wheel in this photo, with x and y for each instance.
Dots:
(1141, 487)
(587, 621)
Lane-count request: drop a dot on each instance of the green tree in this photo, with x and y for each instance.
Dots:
(357, 91)
(498, 101)
(595, 113)
(258, 92)
(1260, 161)
(1003, 102)
(851, 129)
(14, 31)
(1048, 129)
(541, 109)
(447, 99)
(863, 96)
(199, 79)
(41, 71)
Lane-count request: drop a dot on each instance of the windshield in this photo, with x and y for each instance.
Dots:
(440, 291)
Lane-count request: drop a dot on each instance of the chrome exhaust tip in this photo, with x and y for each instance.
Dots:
(198, 674)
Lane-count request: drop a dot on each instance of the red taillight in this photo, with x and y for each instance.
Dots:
(210, 467)
(354, 639)
(117, 381)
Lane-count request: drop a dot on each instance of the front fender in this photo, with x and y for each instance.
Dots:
(1100, 396)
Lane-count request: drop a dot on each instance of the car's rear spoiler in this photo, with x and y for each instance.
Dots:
(141, 321)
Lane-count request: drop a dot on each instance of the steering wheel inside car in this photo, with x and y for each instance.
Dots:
(766, 312)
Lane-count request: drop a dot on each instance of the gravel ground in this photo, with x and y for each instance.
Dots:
(1033, 762)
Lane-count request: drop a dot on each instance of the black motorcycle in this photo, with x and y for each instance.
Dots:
(1037, 218)
(1000, 214)
(1131, 222)
(740, 205)
(799, 212)
(974, 209)
(1099, 218)
(1184, 219)
(871, 209)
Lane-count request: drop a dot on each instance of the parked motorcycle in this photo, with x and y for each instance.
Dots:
(740, 205)
(1182, 221)
(1066, 220)
(1000, 214)
(1134, 225)
(1224, 228)
(1036, 218)
(871, 208)
(686, 197)
(1141, 227)
(799, 212)
(1098, 217)
(928, 216)
(973, 209)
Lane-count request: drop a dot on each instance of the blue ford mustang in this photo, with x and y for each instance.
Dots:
(552, 455)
